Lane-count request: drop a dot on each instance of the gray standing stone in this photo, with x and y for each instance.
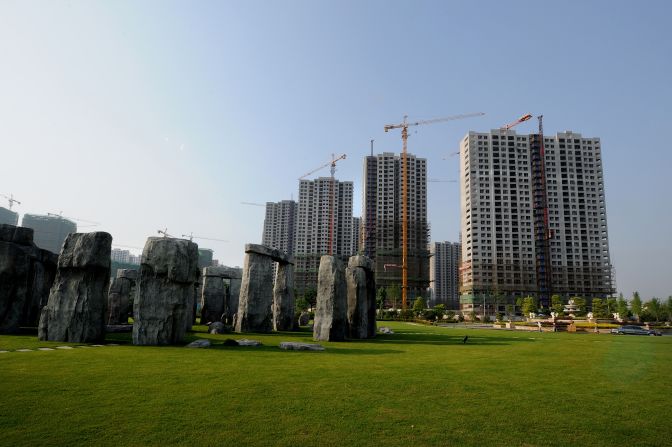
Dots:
(26, 276)
(162, 309)
(213, 295)
(119, 301)
(330, 314)
(283, 299)
(235, 277)
(75, 311)
(256, 294)
(358, 305)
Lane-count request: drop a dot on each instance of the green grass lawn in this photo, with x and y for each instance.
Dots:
(420, 386)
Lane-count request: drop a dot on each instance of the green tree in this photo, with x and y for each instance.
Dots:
(611, 306)
(419, 306)
(301, 304)
(622, 307)
(636, 305)
(599, 308)
(381, 296)
(439, 311)
(669, 308)
(655, 309)
(394, 294)
(310, 296)
(509, 311)
(556, 304)
(529, 305)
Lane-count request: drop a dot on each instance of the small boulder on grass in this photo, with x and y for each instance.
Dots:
(385, 330)
(199, 344)
(217, 327)
(247, 342)
(294, 346)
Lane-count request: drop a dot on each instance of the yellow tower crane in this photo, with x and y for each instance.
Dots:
(404, 190)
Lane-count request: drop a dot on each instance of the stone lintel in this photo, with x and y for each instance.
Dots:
(273, 253)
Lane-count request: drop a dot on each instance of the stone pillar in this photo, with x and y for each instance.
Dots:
(26, 276)
(361, 292)
(120, 296)
(164, 301)
(77, 302)
(256, 294)
(330, 315)
(283, 298)
(233, 297)
(213, 296)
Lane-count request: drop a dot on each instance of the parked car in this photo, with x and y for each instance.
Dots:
(634, 330)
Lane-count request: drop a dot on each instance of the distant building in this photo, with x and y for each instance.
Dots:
(382, 220)
(205, 257)
(444, 269)
(279, 225)
(50, 231)
(511, 185)
(8, 217)
(134, 259)
(313, 227)
(356, 234)
(122, 256)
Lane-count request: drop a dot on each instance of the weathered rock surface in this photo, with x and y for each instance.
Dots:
(296, 346)
(248, 342)
(235, 277)
(213, 295)
(218, 327)
(168, 274)
(273, 253)
(75, 311)
(385, 330)
(283, 299)
(120, 296)
(130, 274)
(199, 344)
(26, 276)
(256, 294)
(361, 293)
(330, 314)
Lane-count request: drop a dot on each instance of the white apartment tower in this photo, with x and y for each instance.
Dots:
(279, 225)
(444, 266)
(313, 227)
(382, 225)
(512, 244)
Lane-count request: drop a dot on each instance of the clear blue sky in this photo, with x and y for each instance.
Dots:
(150, 114)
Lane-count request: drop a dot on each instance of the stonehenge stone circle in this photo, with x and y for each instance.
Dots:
(331, 312)
(75, 311)
(168, 274)
(26, 275)
(361, 293)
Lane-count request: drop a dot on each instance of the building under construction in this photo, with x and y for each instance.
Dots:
(533, 218)
(382, 224)
(315, 235)
(49, 231)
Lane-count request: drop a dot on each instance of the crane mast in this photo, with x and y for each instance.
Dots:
(404, 125)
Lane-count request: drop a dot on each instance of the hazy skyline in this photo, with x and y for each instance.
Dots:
(163, 114)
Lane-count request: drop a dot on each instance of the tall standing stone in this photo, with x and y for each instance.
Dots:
(119, 300)
(357, 276)
(283, 298)
(168, 273)
(77, 302)
(235, 277)
(26, 276)
(330, 315)
(256, 294)
(213, 295)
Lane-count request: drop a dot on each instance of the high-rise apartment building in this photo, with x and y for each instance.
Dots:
(8, 217)
(444, 271)
(356, 234)
(313, 227)
(381, 220)
(118, 255)
(507, 248)
(279, 225)
(49, 231)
